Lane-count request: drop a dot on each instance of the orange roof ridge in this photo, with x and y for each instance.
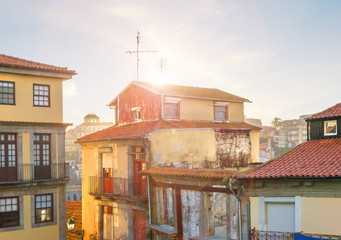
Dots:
(334, 111)
(24, 63)
(314, 158)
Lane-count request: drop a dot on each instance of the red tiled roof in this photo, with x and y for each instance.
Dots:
(139, 130)
(197, 173)
(314, 158)
(74, 210)
(14, 62)
(189, 91)
(334, 111)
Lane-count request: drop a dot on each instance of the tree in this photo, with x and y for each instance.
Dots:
(276, 122)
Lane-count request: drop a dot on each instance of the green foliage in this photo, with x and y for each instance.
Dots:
(279, 151)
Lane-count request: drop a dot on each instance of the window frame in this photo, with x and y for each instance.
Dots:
(1, 81)
(226, 112)
(325, 128)
(41, 149)
(177, 107)
(35, 95)
(37, 209)
(17, 212)
(137, 114)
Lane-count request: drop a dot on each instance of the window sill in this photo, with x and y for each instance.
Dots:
(14, 228)
(44, 224)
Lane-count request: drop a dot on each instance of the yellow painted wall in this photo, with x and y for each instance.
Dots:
(26, 148)
(23, 109)
(194, 109)
(254, 137)
(38, 233)
(254, 212)
(236, 112)
(321, 215)
(183, 145)
(90, 159)
(89, 168)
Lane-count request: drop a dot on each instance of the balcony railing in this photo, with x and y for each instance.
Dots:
(270, 235)
(22, 173)
(126, 187)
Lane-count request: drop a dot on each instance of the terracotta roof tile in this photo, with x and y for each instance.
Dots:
(189, 91)
(139, 130)
(314, 158)
(197, 173)
(74, 210)
(9, 61)
(334, 111)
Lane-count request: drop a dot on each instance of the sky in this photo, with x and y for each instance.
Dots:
(284, 56)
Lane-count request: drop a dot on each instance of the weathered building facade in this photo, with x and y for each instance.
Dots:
(300, 191)
(190, 140)
(32, 157)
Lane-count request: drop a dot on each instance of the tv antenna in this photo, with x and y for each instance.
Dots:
(137, 54)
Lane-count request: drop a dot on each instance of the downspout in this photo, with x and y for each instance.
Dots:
(118, 109)
(239, 217)
(162, 106)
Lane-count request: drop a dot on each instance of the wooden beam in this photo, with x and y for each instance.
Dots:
(179, 213)
(192, 187)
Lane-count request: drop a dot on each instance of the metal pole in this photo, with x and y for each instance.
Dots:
(137, 55)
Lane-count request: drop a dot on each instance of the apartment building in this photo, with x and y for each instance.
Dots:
(32, 164)
(188, 141)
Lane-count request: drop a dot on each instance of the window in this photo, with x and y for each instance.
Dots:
(8, 157)
(137, 114)
(330, 127)
(7, 93)
(171, 110)
(43, 208)
(221, 113)
(289, 208)
(9, 212)
(41, 95)
(7, 150)
(41, 149)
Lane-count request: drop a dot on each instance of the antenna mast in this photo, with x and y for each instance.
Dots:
(137, 54)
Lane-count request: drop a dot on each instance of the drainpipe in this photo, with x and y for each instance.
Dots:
(162, 96)
(240, 216)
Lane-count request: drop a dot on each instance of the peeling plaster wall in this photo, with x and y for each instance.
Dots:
(196, 217)
(182, 146)
(135, 96)
(233, 148)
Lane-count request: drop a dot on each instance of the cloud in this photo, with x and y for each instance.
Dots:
(69, 89)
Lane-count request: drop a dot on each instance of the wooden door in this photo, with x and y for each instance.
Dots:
(108, 180)
(139, 180)
(8, 157)
(140, 225)
(42, 156)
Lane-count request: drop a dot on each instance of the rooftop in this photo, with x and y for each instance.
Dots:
(334, 111)
(141, 129)
(187, 91)
(319, 158)
(20, 63)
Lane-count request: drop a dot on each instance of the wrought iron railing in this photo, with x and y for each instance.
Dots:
(30, 173)
(127, 187)
(270, 235)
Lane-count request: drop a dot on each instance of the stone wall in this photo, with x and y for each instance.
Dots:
(233, 148)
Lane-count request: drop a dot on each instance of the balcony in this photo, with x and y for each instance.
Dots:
(120, 187)
(28, 173)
